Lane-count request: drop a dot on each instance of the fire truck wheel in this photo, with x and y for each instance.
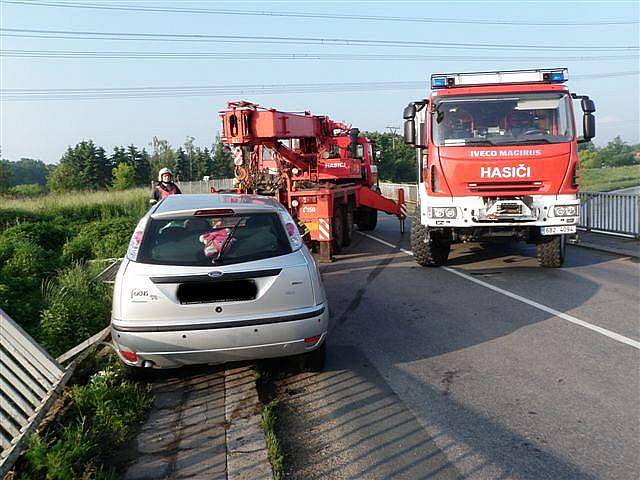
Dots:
(348, 225)
(367, 219)
(551, 250)
(428, 250)
(337, 229)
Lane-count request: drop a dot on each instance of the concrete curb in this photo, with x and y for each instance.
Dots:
(247, 457)
(600, 248)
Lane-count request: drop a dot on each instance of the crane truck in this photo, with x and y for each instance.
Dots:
(497, 156)
(324, 172)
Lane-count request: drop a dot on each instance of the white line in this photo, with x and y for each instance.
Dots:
(603, 331)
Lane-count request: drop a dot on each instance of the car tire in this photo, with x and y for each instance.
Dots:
(428, 250)
(551, 251)
(314, 360)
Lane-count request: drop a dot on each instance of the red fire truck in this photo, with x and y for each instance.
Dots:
(497, 157)
(322, 171)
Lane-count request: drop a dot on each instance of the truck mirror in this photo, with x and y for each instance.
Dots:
(588, 126)
(409, 112)
(588, 106)
(409, 132)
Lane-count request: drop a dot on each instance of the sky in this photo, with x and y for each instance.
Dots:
(43, 128)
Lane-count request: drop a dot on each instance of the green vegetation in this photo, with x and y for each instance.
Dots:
(102, 416)
(44, 283)
(613, 178)
(275, 452)
(616, 153)
(123, 177)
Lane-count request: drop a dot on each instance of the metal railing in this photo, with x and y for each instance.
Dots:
(610, 212)
(204, 186)
(28, 382)
(616, 213)
(31, 380)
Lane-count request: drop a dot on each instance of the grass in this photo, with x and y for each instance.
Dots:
(103, 416)
(274, 449)
(612, 178)
(74, 200)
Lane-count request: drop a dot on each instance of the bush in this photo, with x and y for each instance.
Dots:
(101, 239)
(104, 415)
(27, 259)
(77, 306)
(123, 177)
(50, 235)
(30, 190)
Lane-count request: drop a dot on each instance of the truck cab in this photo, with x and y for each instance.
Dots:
(497, 156)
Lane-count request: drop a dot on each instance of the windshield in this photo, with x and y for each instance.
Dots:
(214, 240)
(520, 118)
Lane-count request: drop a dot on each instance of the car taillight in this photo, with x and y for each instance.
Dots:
(136, 239)
(130, 356)
(295, 239)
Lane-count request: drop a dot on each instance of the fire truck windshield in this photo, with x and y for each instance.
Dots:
(513, 119)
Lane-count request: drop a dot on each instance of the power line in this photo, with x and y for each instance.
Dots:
(93, 55)
(145, 92)
(263, 39)
(326, 16)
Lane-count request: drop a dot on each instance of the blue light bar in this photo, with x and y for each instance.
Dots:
(558, 76)
(438, 82)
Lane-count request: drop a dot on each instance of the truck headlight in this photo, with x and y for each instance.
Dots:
(566, 210)
(442, 212)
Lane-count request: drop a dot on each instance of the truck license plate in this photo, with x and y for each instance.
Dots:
(559, 230)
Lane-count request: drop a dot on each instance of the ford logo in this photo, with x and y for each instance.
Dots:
(215, 274)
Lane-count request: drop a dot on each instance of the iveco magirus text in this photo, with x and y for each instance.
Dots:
(497, 156)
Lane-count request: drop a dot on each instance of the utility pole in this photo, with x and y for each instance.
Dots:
(393, 131)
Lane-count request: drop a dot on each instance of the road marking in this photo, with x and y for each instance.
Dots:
(576, 321)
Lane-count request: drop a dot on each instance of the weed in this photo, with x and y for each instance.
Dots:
(270, 426)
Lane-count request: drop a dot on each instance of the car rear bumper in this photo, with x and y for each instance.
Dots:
(170, 346)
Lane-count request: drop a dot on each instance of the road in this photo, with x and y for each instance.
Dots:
(496, 367)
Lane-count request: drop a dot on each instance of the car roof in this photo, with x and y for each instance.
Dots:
(188, 204)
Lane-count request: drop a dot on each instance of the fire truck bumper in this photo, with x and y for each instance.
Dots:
(551, 214)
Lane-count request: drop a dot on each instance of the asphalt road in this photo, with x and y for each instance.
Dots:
(510, 370)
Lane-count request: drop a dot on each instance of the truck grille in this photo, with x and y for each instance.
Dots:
(532, 186)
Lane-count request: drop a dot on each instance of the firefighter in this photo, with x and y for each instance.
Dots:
(165, 186)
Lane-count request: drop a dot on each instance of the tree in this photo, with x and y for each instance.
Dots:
(123, 177)
(192, 157)
(143, 172)
(64, 178)
(182, 166)
(5, 175)
(162, 156)
(397, 160)
(221, 165)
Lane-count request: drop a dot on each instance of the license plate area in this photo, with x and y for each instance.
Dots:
(215, 292)
(558, 230)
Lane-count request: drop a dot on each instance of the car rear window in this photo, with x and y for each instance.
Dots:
(209, 240)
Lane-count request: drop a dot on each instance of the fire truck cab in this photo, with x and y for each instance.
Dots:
(497, 157)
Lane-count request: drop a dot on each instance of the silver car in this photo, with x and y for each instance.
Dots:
(215, 278)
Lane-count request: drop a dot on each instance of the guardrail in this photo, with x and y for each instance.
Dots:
(613, 213)
(31, 380)
(610, 212)
(204, 186)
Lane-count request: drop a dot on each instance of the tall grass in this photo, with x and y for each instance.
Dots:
(611, 178)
